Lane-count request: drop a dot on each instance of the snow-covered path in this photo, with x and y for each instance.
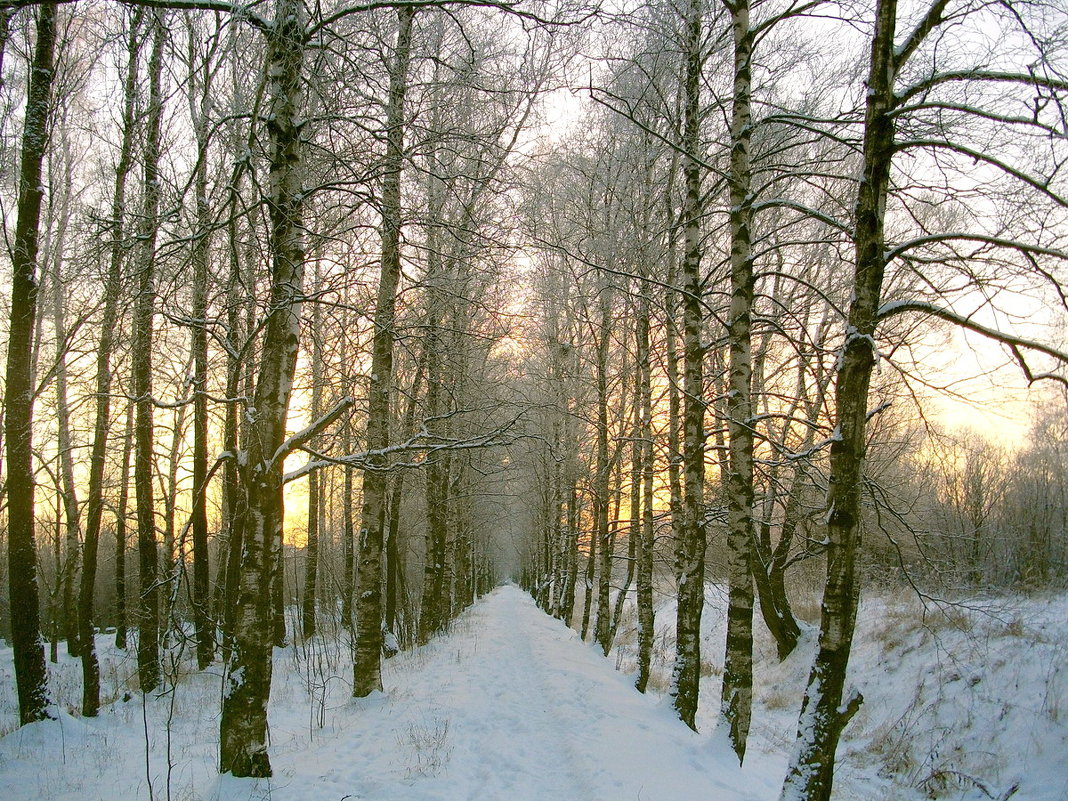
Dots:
(510, 705)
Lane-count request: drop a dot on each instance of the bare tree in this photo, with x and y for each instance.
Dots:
(30, 676)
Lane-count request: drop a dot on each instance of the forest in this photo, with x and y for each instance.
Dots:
(730, 332)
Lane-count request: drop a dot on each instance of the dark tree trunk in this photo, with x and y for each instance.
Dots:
(824, 711)
(94, 503)
(30, 675)
(148, 665)
(603, 533)
(120, 530)
(311, 564)
(205, 634)
(591, 572)
(234, 500)
(567, 604)
(68, 490)
(348, 560)
(644, 551)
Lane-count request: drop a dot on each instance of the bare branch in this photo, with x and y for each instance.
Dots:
(1014, 343)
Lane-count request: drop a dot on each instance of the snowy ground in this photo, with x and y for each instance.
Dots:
(511, 705)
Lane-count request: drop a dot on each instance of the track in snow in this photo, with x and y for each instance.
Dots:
(509, 705)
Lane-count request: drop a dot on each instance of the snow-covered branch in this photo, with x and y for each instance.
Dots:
(962, 236)
(306, 434)
(1024, 79)
(422, 443)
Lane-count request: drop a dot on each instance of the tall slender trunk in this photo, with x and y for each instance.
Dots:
(690, 535)
(234, 501)
(634, 502)
(824, 711)
(121, 508)
(591, 572)
(367, 667)
(247, 685)
(148, 666)
(170, 582)
(433, 614)
(644, 551)
(737, 689)
(311, 564)
(394, 567)
(602, 531)
(67, 487)
(201, 248)
(94, 502)
(348, 559)
(567, 604)
(30, 675)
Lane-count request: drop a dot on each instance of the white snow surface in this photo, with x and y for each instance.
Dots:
(510, 705)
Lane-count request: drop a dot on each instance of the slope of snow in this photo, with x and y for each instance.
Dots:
(509, 705)
(965, 701)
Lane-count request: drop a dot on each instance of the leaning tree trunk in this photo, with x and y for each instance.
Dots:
(30, 674)
(824, 713)
(367, 666)
(247, 684)
(737, 691)
(690, 534)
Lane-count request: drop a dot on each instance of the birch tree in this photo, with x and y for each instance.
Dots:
(911, 81)
(30, 675)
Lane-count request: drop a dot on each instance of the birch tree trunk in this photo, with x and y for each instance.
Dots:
(367, 668)
(247, 683)
(644, 551)
(603, 472)
(737, 691)
(690, 531)
(30, 675)
(824, 712)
